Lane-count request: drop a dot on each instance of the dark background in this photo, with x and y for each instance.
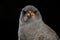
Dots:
(10, 12)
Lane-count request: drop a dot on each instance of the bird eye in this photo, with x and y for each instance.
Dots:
(24, 12)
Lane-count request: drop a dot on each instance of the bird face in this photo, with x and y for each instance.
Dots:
(29, 15)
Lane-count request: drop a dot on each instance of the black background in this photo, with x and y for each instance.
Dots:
(10, 12)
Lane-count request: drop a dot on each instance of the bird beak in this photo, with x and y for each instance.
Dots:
(31, 13)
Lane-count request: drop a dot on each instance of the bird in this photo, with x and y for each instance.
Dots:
(32, 27)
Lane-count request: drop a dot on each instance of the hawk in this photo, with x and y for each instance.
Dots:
(32, 27)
